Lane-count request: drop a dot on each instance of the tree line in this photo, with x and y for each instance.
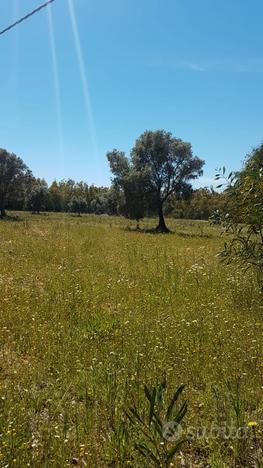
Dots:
(154, 179)
(20, 190)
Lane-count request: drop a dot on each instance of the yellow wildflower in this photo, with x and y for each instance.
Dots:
(252, 424)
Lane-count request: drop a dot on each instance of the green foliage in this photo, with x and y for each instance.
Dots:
(134, 193)
(244, 219)
(78, 205)
(57, 201)
(216, 217)
(119, 166)
(13, 174)
(156, 428)
(37, 199)
(196, 204)
(106, 203)
(130, 184)
(165, 166)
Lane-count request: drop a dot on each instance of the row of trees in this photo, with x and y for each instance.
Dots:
(154, 179)
(20, 190)
(68, 195)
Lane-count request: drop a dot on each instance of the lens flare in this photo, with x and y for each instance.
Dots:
(57, 87)
(84, 79)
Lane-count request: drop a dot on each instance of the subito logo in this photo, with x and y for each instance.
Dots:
(172, 431)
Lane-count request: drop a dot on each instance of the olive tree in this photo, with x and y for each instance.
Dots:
(165, 165)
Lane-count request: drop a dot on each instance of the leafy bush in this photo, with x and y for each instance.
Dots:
(244, 219)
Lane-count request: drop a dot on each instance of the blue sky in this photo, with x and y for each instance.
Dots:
(192, 67)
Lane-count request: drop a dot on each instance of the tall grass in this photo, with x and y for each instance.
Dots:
(91, 311)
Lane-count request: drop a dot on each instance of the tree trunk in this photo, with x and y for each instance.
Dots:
(161, 226)
(2, 208)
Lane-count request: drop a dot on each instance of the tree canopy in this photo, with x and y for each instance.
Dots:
(37, 199)
(13, 172)
(162, 163)
(78, 205)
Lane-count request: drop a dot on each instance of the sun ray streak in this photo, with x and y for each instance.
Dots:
(84, 79)
(57, 86)
(15, 45)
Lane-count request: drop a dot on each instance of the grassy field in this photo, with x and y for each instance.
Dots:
(91, 311)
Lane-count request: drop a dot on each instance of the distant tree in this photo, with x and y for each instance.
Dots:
(99, 205)
(12, 171)
(115, 201)
(18, 194)
(57, 202)
(38, 197)
(165, 164)
(61, 194)
(201, 203)
(67, 191)
(134, 193)
(78, 205)
(107, 201)
(92, 193)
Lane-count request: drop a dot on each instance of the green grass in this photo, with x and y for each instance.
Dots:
(91, 311)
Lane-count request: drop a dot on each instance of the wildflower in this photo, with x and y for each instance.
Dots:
(252, 424)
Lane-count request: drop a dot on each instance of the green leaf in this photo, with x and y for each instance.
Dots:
(159, 394)
(181, 414)
(158, 425)
(173, 401)
(136, 415)
(145, 451)
(152, 406)
(148, 393)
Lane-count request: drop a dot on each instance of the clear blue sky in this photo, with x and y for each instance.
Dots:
(192, 67)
